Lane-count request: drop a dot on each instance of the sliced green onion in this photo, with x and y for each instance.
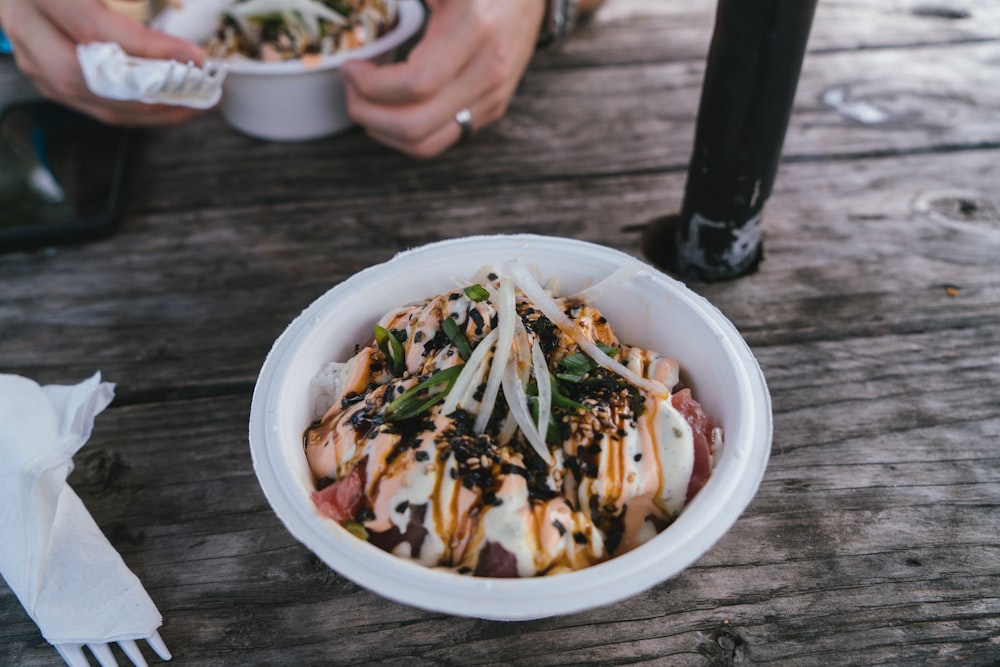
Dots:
(415, 401)
(477, 292)
(553, 435)
(577, 363)
(573, 367)
(392, 349)
(456, 337)
(560, 400)
(356, 529)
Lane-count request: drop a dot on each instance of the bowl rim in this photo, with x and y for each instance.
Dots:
(703, 522)
(411, 19)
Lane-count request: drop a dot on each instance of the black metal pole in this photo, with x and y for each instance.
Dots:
(753, 69)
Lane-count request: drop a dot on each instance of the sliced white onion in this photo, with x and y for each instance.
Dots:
(618, 277)
(517, 400)
(470, 375)
(541, 369)
(551, 309)
(508, 429)
(506, 315)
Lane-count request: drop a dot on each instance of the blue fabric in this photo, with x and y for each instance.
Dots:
(5, 45)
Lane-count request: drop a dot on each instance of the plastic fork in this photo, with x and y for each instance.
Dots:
(112, 73)
(189, 80)
(74, 656)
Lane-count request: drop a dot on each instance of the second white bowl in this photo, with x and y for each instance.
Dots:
(289, 100)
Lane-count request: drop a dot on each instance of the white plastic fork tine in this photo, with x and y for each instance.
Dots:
(103, 654)
(131, 649)
(167, 78)
(219, 73)
(73, 655)
(203, 80)
(178, 87)
(157, 643)
(191, 75)
(193, 80)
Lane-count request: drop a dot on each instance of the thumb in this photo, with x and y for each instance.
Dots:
(84, 21)
(144, 42)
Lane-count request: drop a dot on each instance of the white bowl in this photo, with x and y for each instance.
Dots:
(287, 101)
(652, 311)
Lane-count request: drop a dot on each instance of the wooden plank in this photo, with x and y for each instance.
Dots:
(645, 109)
(641, 122)
(833, 563)
(201, 314)
(672, 30)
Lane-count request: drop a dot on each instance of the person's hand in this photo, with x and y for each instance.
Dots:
(45, 34)
(472, 56)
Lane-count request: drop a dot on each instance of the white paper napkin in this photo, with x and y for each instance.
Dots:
(113, 74)
(71, 581)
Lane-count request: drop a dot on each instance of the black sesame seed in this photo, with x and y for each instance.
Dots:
(477, 318)
(638, 457)
(579, 538)
(422, 455)
(508, 468)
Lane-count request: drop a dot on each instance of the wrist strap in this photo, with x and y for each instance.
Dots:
(560, 18)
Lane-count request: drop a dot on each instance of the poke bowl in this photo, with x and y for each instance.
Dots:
(645, 307)
(288, 97)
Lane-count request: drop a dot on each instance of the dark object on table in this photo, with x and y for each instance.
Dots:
(753, 69)
(61, 176)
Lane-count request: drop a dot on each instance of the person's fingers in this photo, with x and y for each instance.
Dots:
(451, 40)
(428, 147)
(136, 114)
(487, 82)
(472, 55)
(488, 109)
(144, 42)
(100, 24)
(49, 58)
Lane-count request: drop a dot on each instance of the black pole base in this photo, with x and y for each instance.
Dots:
(663, 245)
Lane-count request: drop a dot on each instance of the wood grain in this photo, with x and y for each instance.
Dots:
(875, 536)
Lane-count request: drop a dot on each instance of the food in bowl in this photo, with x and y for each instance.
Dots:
(294, 99)
(278, 30)
(500, 431)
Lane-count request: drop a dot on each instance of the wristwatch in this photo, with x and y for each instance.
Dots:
(560, 17)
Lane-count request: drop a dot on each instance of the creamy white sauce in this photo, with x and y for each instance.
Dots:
(675, 444)
(643, 467)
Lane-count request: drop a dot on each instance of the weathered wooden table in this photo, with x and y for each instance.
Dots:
(875, 537)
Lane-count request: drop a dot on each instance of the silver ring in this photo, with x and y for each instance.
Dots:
(464, 120)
